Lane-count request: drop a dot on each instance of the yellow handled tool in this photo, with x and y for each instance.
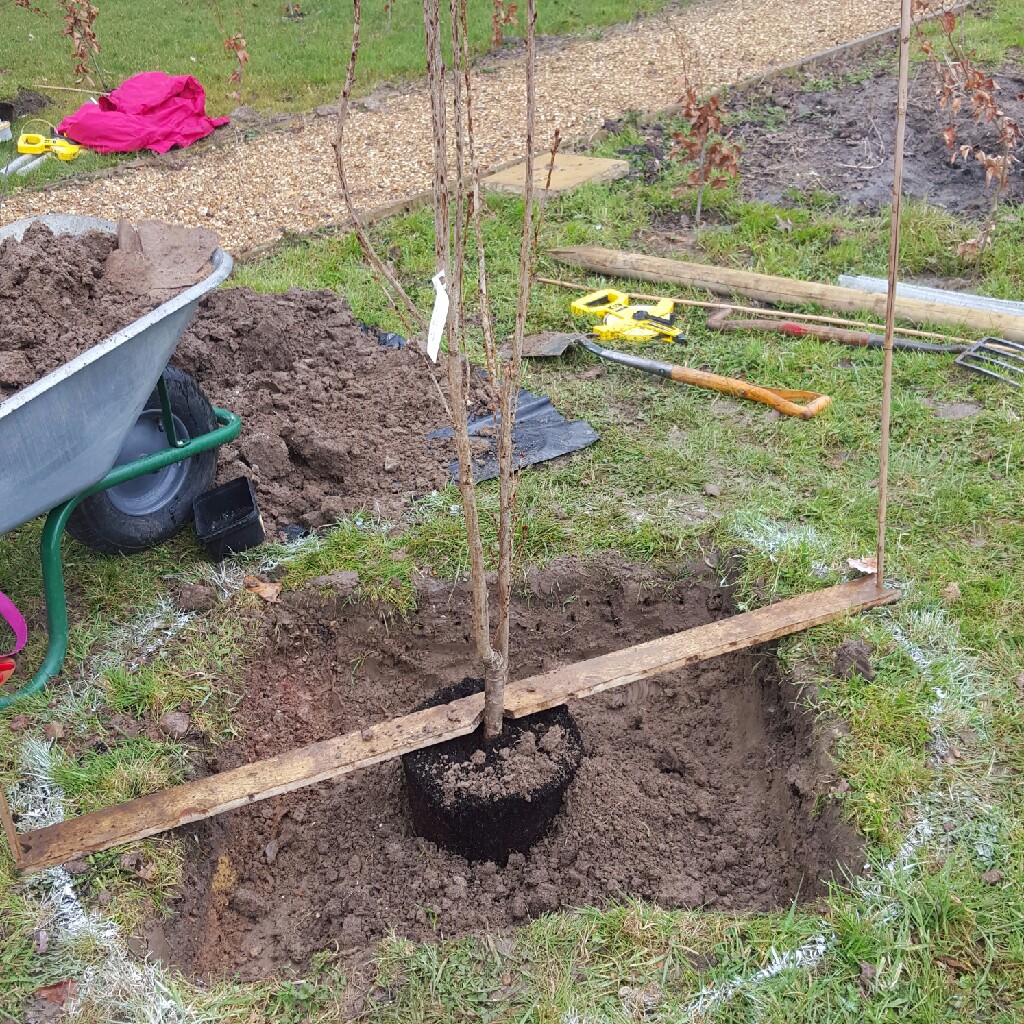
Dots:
(629, 321)
(37, 145)
(804, 405)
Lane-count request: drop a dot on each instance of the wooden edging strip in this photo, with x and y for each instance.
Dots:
(676, 651)
(331, 758)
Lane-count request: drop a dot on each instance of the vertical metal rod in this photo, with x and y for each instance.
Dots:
(890, 303)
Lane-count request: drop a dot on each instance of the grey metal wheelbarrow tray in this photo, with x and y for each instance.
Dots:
(62, 434)
(62, 438)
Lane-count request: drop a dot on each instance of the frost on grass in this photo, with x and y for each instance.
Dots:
(797, 545)
(111, 986)
(944, 814)
(805, 957)
(145, 635)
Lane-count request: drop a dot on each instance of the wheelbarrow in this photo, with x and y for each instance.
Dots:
(113, 446)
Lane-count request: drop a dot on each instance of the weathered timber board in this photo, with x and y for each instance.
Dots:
(331, 758)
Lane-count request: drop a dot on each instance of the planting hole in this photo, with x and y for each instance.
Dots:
(699, 788)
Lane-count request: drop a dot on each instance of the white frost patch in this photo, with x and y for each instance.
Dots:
(117, 987)
(228, 577)
(805, 957)
(144, 635)
(775, 539)
(772, 538)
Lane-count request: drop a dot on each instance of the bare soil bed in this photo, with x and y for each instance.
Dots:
(333, 421)
(699, 789)
(829, 130)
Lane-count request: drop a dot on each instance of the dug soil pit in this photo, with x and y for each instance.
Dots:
(702, 788)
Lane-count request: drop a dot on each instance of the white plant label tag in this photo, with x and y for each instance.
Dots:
(438, 318)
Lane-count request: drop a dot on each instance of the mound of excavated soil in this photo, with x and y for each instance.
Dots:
(702, 788)
(333, 421)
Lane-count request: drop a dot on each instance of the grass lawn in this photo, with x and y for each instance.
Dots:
(933, 756)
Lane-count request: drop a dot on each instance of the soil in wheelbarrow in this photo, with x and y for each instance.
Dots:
(706, 787)
(61, 294)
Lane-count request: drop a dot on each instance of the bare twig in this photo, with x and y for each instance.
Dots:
(376, 262)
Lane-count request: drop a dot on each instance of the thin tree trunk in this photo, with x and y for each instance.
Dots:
(894, 269)
(452, 267)
(703, 183)
(508, 478)
(458, 212)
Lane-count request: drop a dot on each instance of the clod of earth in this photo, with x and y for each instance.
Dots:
(853, 658)
(174, 724)
(195, 597)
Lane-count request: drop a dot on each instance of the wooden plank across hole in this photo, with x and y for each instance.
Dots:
(328, 759)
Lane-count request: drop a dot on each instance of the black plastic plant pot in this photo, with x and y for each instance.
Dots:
(228, 519)
(488, 828)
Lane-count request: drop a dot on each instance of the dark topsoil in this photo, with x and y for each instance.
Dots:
(840, 139)
(697, 789)
(333, 422)
(820, 130)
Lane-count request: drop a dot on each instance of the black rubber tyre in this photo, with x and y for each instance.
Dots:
(149, 510)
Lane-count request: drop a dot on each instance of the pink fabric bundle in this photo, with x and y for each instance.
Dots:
(148, 111)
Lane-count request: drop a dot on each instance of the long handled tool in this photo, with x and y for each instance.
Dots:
(990, 355)
(721, 321)
(784, 400)
(994, 357)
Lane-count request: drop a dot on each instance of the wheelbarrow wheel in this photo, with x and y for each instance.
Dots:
(150, 509)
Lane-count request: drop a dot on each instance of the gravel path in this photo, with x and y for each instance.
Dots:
(251, 193)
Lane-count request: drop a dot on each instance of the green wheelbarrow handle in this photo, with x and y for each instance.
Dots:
(53, 568)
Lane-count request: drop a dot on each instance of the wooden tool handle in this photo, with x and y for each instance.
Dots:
(781, 399)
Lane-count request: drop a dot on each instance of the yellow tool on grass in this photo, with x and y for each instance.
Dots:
(38, 145)
(629, 321)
